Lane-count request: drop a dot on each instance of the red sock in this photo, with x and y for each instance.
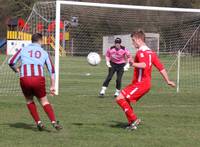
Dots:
(49, 110)
(129, 103)
(127, 109)
(33, 110)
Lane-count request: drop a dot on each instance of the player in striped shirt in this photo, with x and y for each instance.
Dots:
(141, 83)
(32, 80)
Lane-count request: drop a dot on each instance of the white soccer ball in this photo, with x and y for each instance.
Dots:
(93, 58)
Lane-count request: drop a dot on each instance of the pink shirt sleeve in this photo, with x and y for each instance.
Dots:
(128, 55)
(108, 54)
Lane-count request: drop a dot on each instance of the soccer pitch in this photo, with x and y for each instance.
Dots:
(169, 119)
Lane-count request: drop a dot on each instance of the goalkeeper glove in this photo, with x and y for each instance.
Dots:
(108, 64)
(126, 67)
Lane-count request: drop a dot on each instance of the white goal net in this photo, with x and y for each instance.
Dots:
(73, 29)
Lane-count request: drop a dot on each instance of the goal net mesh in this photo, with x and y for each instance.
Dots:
(83, 29)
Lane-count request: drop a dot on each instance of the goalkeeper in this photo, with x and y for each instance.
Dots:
(117, 60)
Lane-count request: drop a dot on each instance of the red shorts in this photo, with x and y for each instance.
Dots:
(134, 92)
(33, 86)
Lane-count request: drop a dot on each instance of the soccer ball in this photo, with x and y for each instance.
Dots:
(93, 58)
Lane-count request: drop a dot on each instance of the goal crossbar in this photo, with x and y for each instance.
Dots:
(103, 5)
(135, 7)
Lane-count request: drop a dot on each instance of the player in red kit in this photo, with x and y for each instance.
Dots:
(141, 83)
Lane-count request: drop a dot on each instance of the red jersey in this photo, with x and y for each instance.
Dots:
(149, 57)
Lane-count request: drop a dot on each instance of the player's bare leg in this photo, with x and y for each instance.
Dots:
(50, 112)
(33, 111)
(126, 107)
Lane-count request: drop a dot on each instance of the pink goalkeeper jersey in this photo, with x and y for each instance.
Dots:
(118, 56)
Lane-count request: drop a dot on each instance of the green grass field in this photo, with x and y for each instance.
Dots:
(169, 119)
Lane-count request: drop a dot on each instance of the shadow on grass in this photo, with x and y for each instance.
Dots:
(77, 124)
(20, 125)
(89, 124)
(115, 124)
